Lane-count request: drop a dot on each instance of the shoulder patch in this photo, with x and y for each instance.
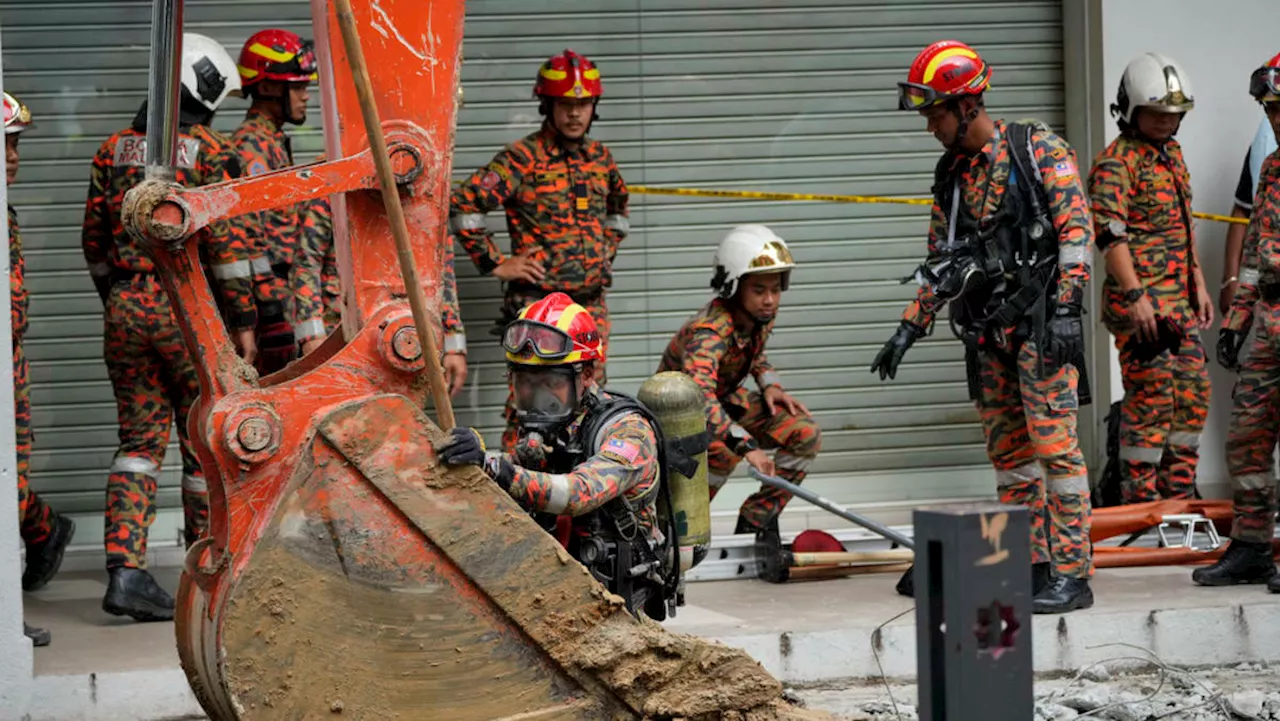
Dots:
(489, 181)
(1058, 153)
(622, 448)
(256, 167)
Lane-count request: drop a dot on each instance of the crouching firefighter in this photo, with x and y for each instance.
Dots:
(595, 458)
(1009, 250)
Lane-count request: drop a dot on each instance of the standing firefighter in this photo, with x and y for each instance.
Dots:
(45, 533)
(1154, 298)
(151, 372)
(1254, 420)
(720, 347)
(566, 205)
(1009, 249)
(591, 455)
(276, 67)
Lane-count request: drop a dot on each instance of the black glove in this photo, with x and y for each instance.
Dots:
(1065, 343)
(464, 448)
(890, 355)
(1229, 344)
(501, 470)
(1168, 338)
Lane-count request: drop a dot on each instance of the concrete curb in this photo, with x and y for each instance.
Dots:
(150, 695)
(1191, 637)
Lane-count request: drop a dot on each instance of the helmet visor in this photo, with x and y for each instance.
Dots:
(1264, 83)
(544, 394)
(545, 341)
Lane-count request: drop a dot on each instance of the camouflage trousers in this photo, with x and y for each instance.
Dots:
(797, 440)
(1030, 428)
(513, 303)
(155, 386)
(35, 517)
(1255, 423)
(1165, 407)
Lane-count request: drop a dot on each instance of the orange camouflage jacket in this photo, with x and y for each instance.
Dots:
(204, 157)
(1140, 193)
(719, 356)
(1260, 266)
(17, 279)
(570, 205)
(983, 182)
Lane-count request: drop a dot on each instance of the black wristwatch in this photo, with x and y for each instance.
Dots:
(1134, 295)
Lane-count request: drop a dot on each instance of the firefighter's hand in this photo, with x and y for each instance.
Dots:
(520, 267)
(1204, 314)
(463, 447)
(1229, 343)
(1226, 295)
(311, 344)
(1143, 316)
(890, 356)
(246, 344)
(760, 461)
(1066, 337)
(455, 371)
(775, 397)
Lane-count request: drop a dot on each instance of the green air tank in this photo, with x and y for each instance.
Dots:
(678, 404)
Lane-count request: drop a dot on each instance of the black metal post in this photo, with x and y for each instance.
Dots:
(973, 613)
(162, 94)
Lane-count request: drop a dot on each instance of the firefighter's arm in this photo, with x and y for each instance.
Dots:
(626, 459)
(95, 233)
(1266, 214)
(1069, 209)
(316, 239)
(702, 357)
(762, 370)
(267, 286)
(487, 189)
(921, 311)
(18, 298)
(1109, 187)
(455, 335)
(228, 244)
(617, 206)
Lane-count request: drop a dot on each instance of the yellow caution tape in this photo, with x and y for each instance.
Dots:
(757, 195)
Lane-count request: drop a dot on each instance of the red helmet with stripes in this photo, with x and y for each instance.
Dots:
(1264, 84)
(276, 54)
(568, 75)
(945, 70)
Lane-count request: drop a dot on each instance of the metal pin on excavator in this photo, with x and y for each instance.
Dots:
(346, 571)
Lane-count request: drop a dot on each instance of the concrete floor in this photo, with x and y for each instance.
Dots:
(88, 640)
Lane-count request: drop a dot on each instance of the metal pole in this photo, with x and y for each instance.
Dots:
(162, 94)
(824, 504)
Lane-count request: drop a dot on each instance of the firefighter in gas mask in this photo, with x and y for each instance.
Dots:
(593, 457)
(1009, 250)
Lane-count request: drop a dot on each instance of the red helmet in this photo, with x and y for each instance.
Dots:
(568, 75)
(277, 55)
(553, 331)
(17, 117)
(1264, 84)
(943, 71)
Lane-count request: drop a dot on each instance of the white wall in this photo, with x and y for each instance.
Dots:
(1218, 44)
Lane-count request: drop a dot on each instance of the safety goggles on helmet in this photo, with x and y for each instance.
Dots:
(914, 96)
(1265, 82)
(302, 64)
(545, 341)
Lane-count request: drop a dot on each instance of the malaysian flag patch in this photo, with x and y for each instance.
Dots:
(1065, 169)
(622, 449)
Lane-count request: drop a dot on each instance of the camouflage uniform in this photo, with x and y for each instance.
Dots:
(626, 464)
(318, 294)
(35, 517)
(570, 206)
(1030, 422)
(719, 356)
(1255, 422)
(151, 371)
(1141, 192)
(273, 236)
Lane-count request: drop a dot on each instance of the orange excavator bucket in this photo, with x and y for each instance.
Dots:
(346, 572)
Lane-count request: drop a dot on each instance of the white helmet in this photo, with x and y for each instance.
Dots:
(748, 250)
(208, 72)
(1153, 81)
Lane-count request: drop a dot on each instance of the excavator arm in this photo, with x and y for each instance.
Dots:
(346, 571)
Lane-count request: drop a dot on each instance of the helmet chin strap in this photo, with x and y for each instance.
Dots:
(962, 129)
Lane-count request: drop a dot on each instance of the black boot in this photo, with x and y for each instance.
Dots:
(1061, 595)
(133, 592)
(1041, 577)
(38, 636)
(1243, 562)
(45, 558)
